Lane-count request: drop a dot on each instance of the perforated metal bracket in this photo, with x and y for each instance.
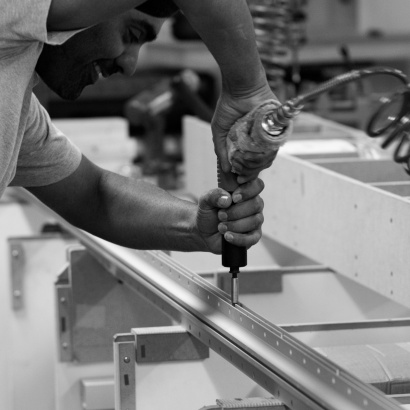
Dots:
(64, 306)
(17, 261)
(124, 363)
(86, 295)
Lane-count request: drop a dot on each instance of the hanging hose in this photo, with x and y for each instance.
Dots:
(276, 120)
(267, 126)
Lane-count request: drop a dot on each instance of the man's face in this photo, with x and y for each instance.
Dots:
(102, 50)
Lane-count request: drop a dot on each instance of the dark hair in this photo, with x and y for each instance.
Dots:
(158, 8)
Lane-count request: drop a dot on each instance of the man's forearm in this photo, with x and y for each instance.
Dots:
(226, 27)
(122, 210)
(139, 215)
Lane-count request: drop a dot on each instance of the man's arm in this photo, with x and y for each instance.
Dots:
(139, 215)
(77, 14)
(226, 27)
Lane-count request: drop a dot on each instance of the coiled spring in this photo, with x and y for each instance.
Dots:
(280, 30)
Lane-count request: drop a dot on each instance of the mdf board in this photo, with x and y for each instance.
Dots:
(36, 263)
(356, 229)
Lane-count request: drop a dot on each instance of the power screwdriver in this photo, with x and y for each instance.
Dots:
(248, 134)
(233, 257)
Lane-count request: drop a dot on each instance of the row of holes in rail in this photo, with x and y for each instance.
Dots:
(216, 345)
(255, 374)
(258, 376)
(332, 376)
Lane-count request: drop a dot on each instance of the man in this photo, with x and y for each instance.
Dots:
(70, 43)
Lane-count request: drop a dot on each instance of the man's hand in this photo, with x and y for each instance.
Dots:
(240, 224)
(230, 109)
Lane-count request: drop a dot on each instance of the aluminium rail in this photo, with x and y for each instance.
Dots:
(290, 370)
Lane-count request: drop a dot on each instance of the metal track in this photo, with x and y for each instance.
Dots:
(287, 368)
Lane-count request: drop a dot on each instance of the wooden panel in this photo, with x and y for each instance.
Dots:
(16, 219)
(366, 170)
(33, 327)
(397, 188)
(354, 228)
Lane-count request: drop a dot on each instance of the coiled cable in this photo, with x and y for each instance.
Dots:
(275, 121)
(391, 121)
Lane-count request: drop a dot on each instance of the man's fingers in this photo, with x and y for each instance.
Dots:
(243, 225)
(216, 198)
(243, 179)
(246, 240)
(249, 165)
(241, 210)
(248, 190)
(254, 159)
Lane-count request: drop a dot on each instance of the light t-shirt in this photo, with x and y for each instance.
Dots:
(33, 152)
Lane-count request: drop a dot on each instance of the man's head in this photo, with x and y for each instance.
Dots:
(102, 50)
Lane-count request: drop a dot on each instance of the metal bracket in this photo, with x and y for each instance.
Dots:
(167, 343)
(86, 294)
(64, 308)
(150, 345)
(26, 258)
(124, 360)
(17, 262)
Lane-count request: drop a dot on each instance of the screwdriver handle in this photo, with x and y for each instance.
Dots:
(232, 256)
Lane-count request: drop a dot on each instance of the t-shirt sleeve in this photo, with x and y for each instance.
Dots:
(23, 21)
(46, 155)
